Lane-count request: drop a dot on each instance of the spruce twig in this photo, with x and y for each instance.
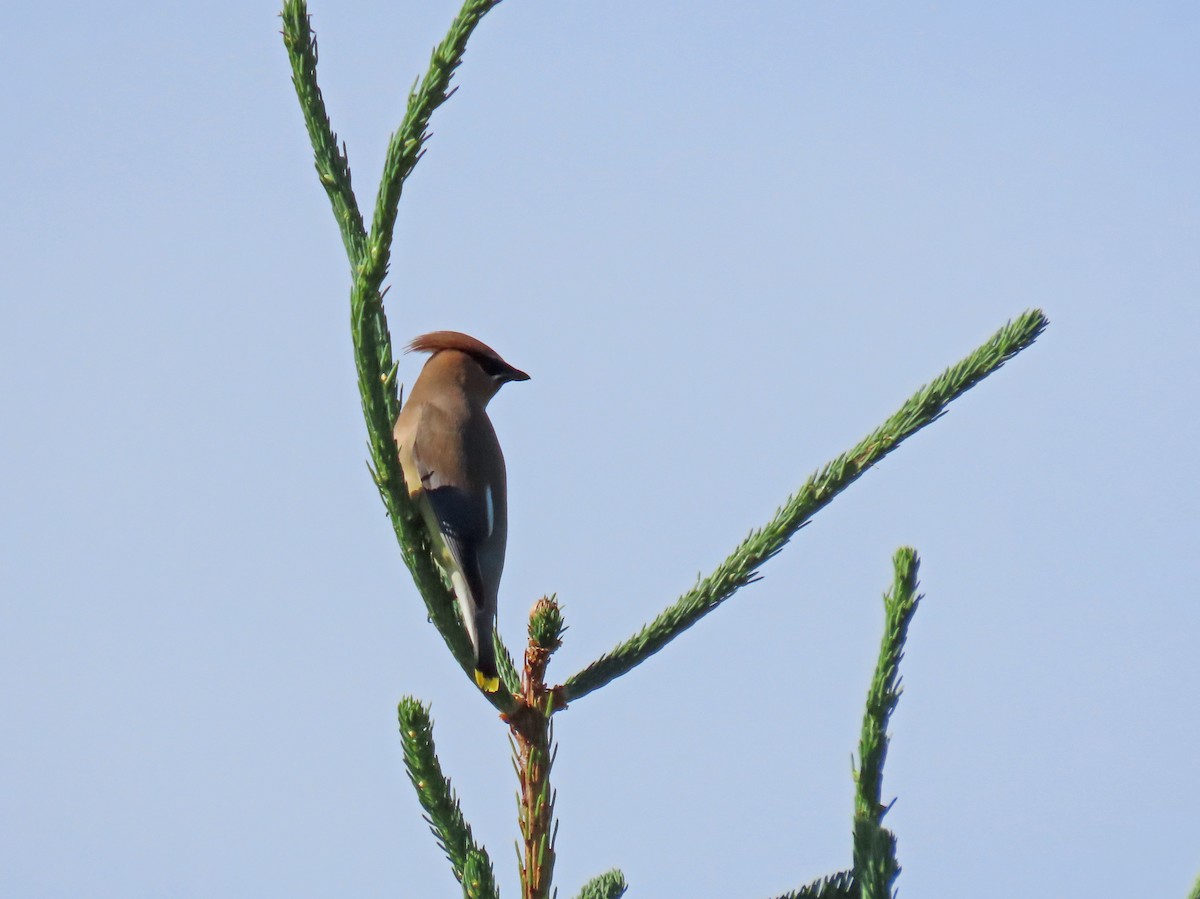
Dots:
(333, 165)
(609, 885)
(875, 865)
(509, 676)
(533, 742)
(836, 886)
(478, 880)
(741, 568)
(369, 256)
(406, 145)
(436, 796)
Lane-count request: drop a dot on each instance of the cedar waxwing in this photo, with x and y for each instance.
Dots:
(455, 472)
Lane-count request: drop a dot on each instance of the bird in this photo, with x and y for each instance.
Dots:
(454, 471)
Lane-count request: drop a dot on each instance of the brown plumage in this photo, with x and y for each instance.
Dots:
(455, 471)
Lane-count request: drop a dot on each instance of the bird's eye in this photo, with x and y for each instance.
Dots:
(493, 369)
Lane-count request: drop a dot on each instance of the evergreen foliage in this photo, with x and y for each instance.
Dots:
(609, 885)
(526, 702)
(369, 255)
(468, 861)
(836, 886)
(741, 568)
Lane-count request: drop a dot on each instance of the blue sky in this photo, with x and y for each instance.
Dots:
(726, 240)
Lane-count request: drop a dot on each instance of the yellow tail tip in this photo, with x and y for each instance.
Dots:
(485, 683)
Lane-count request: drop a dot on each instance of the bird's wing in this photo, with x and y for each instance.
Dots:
(463, 521)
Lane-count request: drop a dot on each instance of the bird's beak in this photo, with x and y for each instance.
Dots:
(515, 374)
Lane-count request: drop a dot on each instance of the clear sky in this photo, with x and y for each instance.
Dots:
(726, 240)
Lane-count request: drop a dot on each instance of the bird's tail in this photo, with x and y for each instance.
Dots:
(486, 675)
(479, 626)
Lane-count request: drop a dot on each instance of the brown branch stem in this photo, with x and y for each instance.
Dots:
(533, 757)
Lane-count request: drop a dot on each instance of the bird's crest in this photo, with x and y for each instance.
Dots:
(452, 340)
(488, 358)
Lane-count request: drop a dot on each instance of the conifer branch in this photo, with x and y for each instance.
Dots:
(1195, 893)
(332, 163)
(532, 736)
(836, 886)
(478, 880)
(507, 668)
(741, 568)
(875, 865)
(369, 258)
(874, 859)
(442, 811)
(609, 885)
(406, 145)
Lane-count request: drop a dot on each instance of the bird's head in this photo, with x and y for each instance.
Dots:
(478, 367)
